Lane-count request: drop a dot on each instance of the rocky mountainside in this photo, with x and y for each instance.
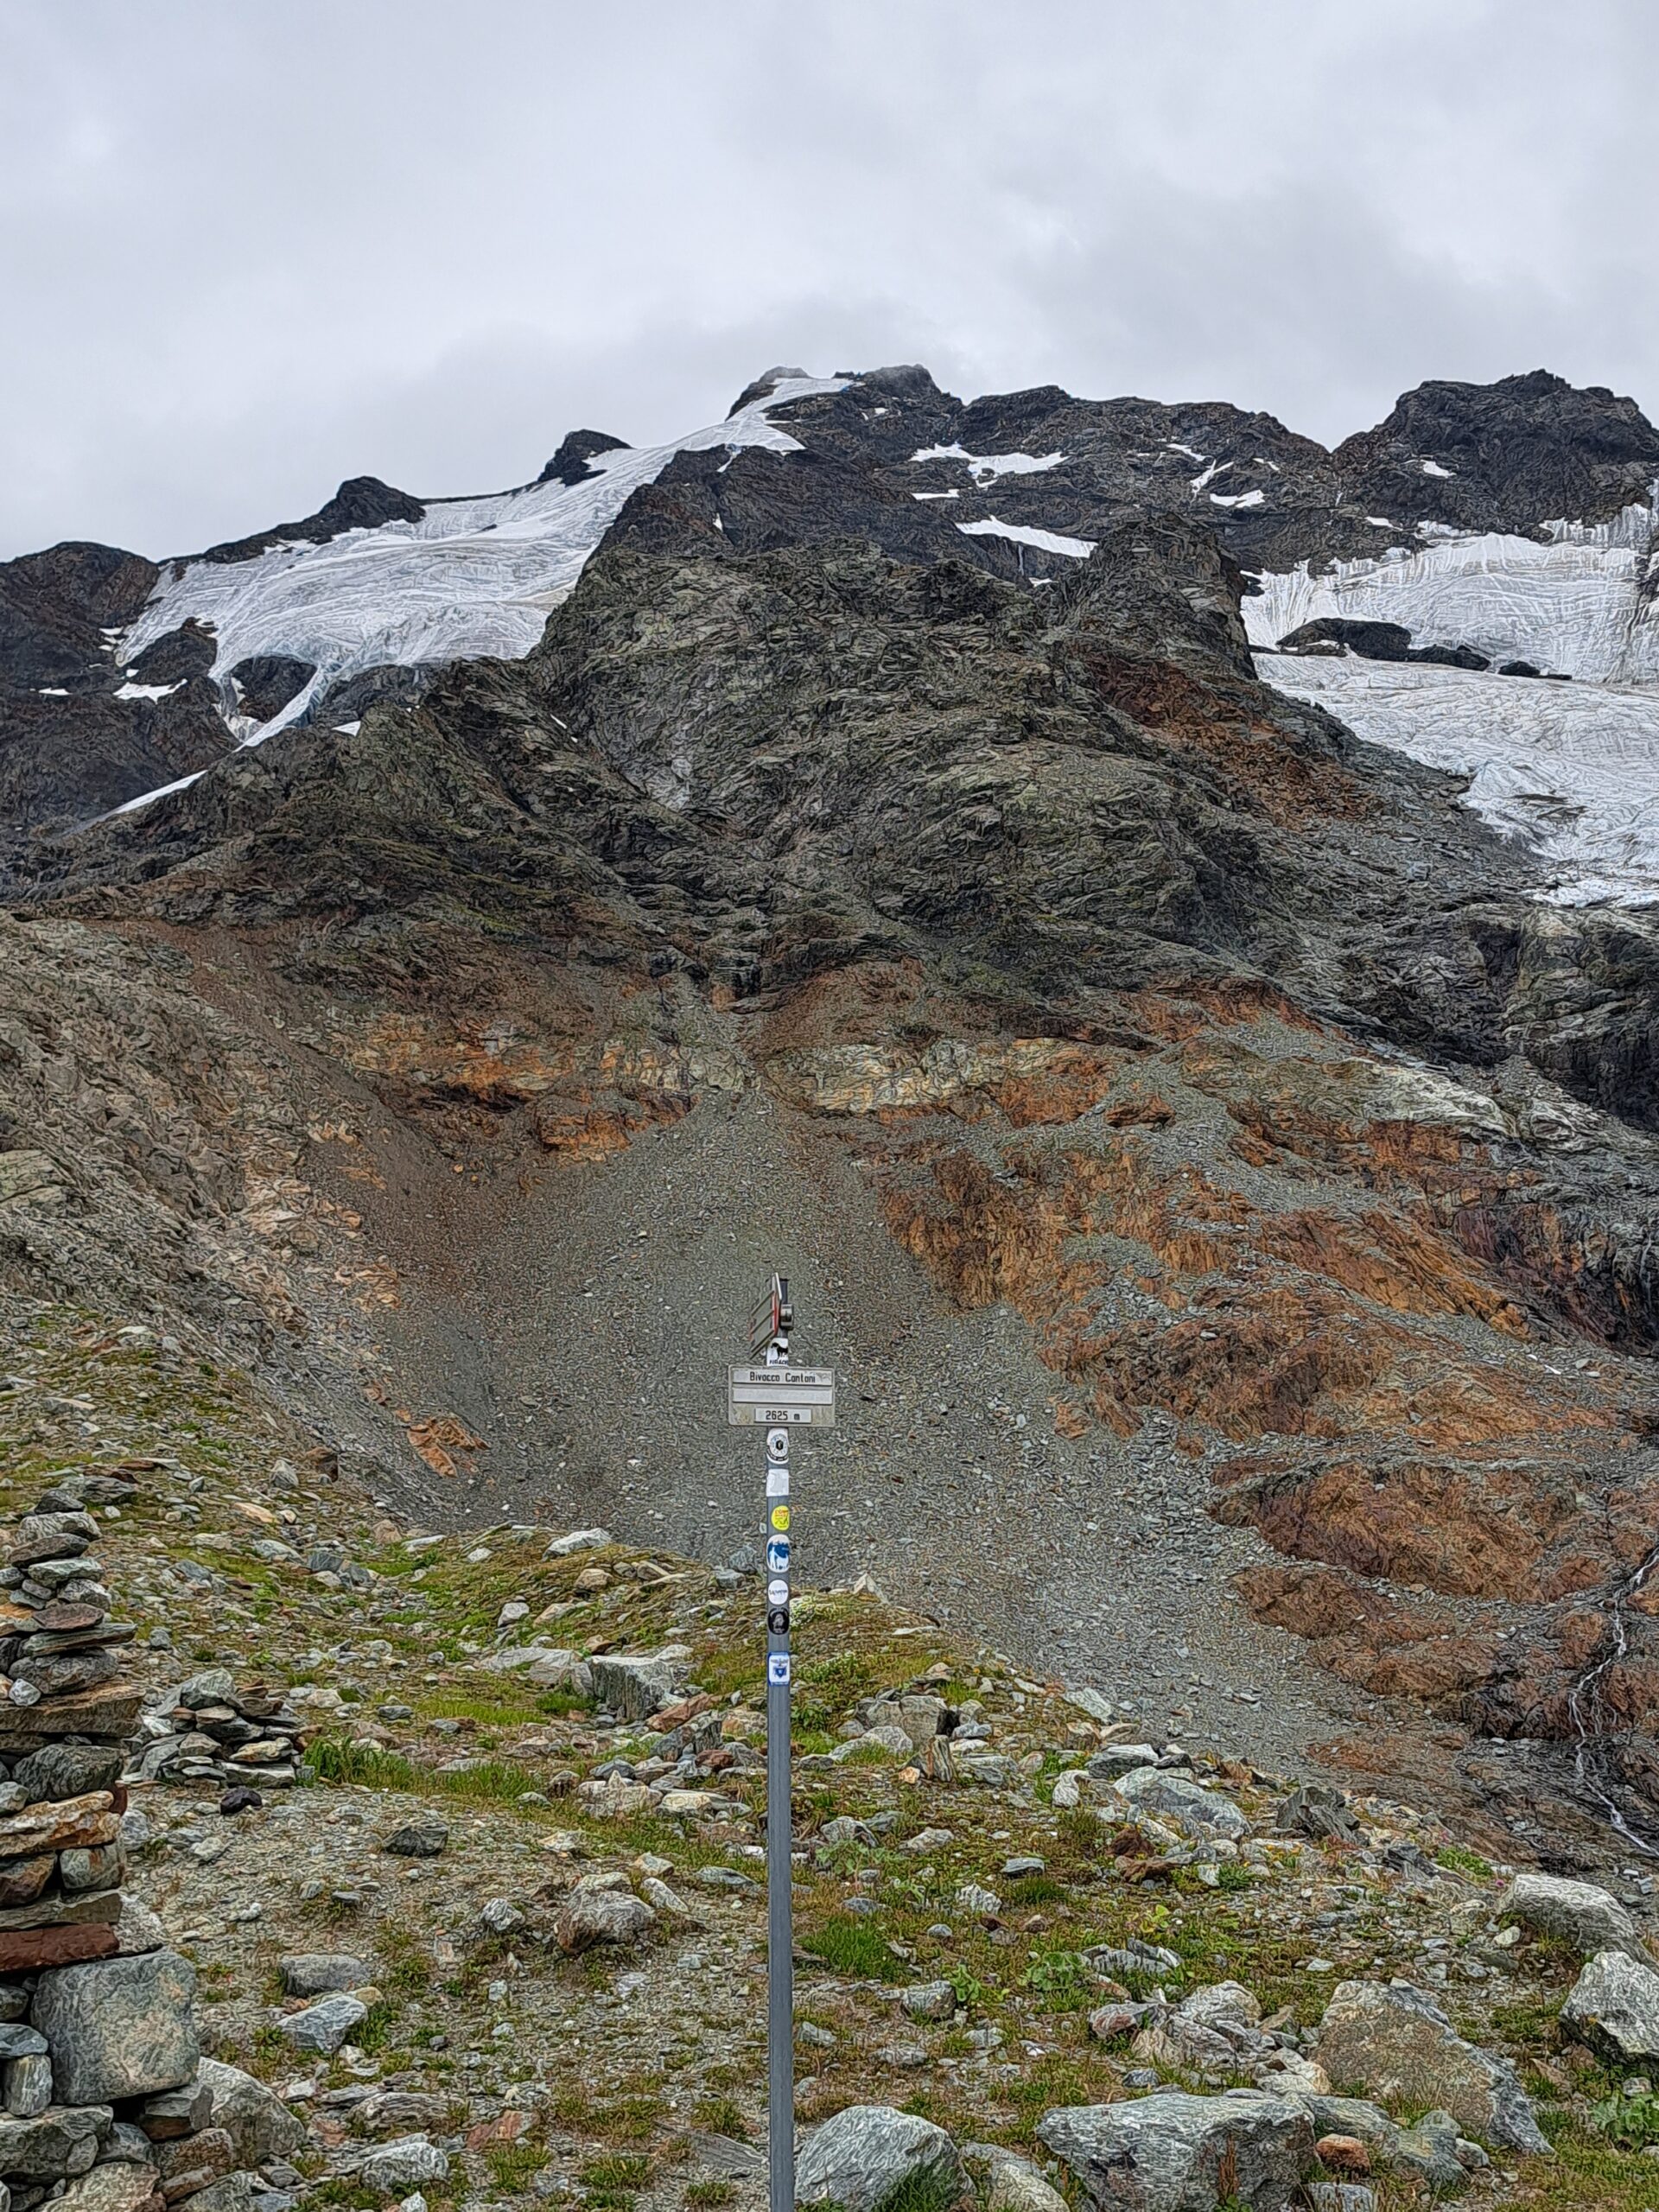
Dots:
(1219, 1157)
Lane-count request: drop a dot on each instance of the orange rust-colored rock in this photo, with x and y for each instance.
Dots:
(438, 1438)
(1388, 1647)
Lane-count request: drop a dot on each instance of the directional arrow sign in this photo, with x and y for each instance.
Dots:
(781, 1397)
(774, 1317)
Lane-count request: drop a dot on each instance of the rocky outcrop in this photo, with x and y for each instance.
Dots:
(102, 2067)
(1169, 2152)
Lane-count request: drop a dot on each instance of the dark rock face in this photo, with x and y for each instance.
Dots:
(184, 652)
(361, 503)
(266, 682)
(570, 464)
(386, 685)
(70, 746)
(54, 607)
(1377, 641)
(1521, 452)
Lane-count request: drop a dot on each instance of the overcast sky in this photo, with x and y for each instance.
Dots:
(248, 247)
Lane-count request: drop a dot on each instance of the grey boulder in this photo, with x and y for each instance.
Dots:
(1614, 2007)
(1200, 1812)
(111, 2186)
(1181, 2154)
(230, 2192)
(930, 2000)
(1397, 2044)
(1579, 1913)
(256, 2120)
(316, 1974)
(590, 1917)
(118, 2027)
(404, 2165)
(423, 1838)
(323, 2027)
(63, 2140)
(138, 1929)
(1117, 1759)
(857, 2159)
(634, 1688)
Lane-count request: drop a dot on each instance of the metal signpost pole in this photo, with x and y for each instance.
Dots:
(780, 1929)
(778, 1397)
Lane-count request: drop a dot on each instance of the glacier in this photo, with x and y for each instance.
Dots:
(1582, 600)
(474, 576)
(1570, 769)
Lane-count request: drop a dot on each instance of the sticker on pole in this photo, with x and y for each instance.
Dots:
(777, 1482)
(778, 1592)
(778, 1555)
(778, 1621)
(780, 1517)
(778, 1666)
(780, 1398)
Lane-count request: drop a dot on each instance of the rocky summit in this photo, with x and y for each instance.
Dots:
(1151, 925)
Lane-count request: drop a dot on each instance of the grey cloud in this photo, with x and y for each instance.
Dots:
(247, 252)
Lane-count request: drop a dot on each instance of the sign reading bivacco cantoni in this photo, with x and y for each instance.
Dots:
(774, 1395)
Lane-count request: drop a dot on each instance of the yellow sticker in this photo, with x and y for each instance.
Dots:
(780, 1517)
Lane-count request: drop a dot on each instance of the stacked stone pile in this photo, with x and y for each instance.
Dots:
(104, 2106)
(207, 1730)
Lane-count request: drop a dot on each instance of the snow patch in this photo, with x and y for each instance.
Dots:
(986, 467)
(1434, 468)
(1045, 541)
(53, 691)
(149, 690)
(162, 791)
(1239, 499)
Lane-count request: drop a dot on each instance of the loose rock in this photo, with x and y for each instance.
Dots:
(1397, 2043)
(1614, 2007)
(858, 2158)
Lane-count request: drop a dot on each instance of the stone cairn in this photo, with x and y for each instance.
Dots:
(207, 1730)
(106, 2103)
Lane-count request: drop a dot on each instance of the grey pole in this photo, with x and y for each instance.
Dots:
(781, 1938)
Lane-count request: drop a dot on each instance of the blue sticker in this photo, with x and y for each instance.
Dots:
(778, 1555)
(778, 1666)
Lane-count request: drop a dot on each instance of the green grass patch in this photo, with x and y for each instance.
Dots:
(613, 2182)
(1459, 1861)
(854, 1946)
(927, 2189)
(722, 2115)
(336, 1758)
(513, 2163)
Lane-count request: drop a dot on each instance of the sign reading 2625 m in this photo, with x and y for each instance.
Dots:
(781, 1397)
